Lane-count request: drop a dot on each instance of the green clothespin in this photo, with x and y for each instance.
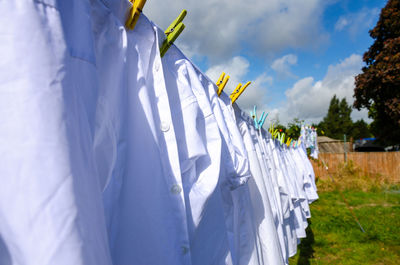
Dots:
(172, 32)
(282, 140)
(277, 135)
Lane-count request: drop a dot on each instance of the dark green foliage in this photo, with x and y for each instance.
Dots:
(361, 130)
(378, 86)
(320, 130)
(281, 128)
(293, 129)
(383, 127)
(346, 123)
(337, 121)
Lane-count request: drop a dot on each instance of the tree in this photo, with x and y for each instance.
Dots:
(294, 128)
(320, 130)
(346, 123)
(361, 130)
(337, 121)
(281, 128)
(330, 123)
(378, 86)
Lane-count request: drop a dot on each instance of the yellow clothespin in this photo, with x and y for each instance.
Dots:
(289, 141)
(271, 128)
(172, 32)
(276, 132)
(238, 91)
(137, 6)
(221, 83)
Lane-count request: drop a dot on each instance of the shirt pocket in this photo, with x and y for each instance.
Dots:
(194, 128)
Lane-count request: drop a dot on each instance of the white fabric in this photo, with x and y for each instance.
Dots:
(197, 129)
(145, 206)
(273, 190)
(236, 199)
(243, 228)
(50, 197)
(270, 250)
(112, 155)
(286, 201)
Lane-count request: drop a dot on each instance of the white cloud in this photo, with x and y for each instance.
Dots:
(309, 99)
(282, 66)
(355, 23)
(237, 68)
(341, 23)
(219, 29)
(256, 93)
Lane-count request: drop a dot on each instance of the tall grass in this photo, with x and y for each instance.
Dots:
(350, 177)
(334, 237)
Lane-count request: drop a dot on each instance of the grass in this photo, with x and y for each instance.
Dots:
(334, 237)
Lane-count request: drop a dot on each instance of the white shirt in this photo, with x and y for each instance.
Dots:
(309, 177)
(244, 229)
(145, 205)
(297, 194)
(113, 155)
(50, 197)
(271, 252)
(285, 187)
(275, 197)
(197, 131)
(238, 208)
(272, 188)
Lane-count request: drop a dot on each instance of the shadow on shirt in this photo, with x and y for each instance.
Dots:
(5, 258)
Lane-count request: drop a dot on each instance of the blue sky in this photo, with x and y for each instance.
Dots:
(298, 53)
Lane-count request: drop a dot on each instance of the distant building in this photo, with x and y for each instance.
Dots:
(329, 145)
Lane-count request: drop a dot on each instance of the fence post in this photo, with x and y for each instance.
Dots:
(351, 144)
(345, 149)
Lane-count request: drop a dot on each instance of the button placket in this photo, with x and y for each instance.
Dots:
(171, 165)
(165, 124)
(157, 66)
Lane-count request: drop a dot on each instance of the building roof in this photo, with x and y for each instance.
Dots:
(326, 139)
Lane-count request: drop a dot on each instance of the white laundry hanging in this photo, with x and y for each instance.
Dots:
(113, 155)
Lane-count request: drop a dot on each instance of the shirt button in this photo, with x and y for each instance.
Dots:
(176, 189)
(164, 126)
(157, 66)
(185, 250)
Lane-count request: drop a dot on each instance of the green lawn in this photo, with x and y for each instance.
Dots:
(334, 237)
